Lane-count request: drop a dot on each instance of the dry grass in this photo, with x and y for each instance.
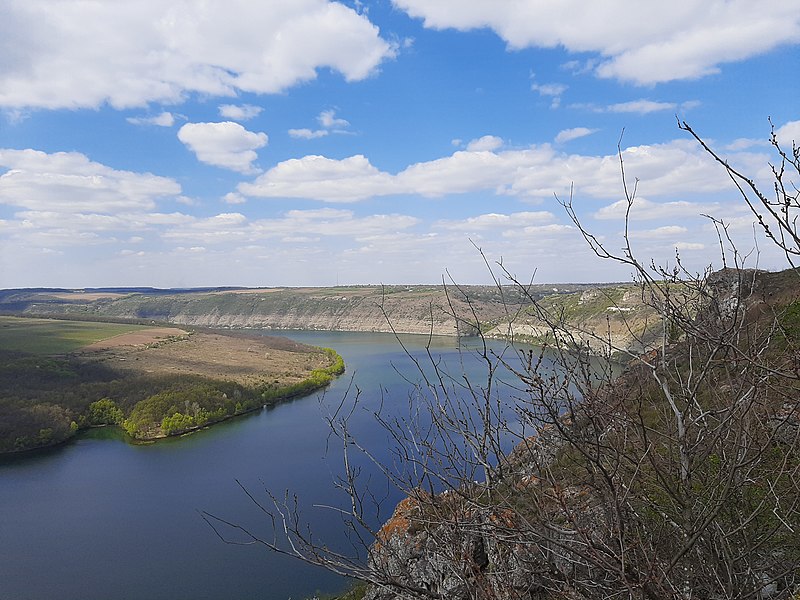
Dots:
(245, 360)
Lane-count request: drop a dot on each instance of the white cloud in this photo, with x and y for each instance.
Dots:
(227, 144)
(322, 178)
(239, 113)
(665, 231)
(538, 172)
(327, 222)
(154, 51)
(540, 233)
(641, 107)
(566, 135)
(330, 123)
(550, 90)
(488, 143)
(787, 135)
(68, 182)
(463, 172)
(233, 198)
(690, 246)
(644, 209)
(329, 120)
(307, 134)
(164, 119)
(642, 42)
(498, 221)
(745, 144)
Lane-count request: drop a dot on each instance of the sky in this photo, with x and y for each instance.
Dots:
(189, 143)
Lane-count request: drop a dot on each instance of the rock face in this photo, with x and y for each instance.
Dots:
(460, 546)
(446, 561)
(605, 319)
(615, 497)
(598, 317)
(421, 310)
(343, 313)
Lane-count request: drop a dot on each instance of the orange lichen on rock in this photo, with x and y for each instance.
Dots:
(400, 522)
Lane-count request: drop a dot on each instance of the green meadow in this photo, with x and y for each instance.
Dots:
(53, 336)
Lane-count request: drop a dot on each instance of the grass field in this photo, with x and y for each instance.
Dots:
(58, 377)
(52, 336)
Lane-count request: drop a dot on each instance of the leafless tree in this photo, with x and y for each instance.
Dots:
(557, 476)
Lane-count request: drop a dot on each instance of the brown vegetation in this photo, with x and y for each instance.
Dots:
(154, 382)
(250, 360)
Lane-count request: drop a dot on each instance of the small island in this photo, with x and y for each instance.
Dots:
(58, 377)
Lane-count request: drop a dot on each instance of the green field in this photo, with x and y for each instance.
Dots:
(52, 336)
(49, 392)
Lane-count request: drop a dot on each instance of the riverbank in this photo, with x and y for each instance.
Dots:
(153, 382)
(601, 316)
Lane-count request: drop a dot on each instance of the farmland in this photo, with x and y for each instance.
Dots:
(52, 336)
(58, 377)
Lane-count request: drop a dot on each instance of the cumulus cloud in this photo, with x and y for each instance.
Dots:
(788, 134)
(566, 135)
(498, 221)
(325, 222)
(68, 182)
(641, 107)
(329, 120)
(330, 124)
(64, 200)
(244, 112)
(164, 119)
(346, 180)
(307, 134)
(227, 144)
(233, 198)
(644, 43)
(644, 209)
(745, 144)
(536, 172)
(665, 231)
(487, 143)
(154, 51)
(690, 246)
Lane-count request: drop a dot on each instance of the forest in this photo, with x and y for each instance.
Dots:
(47, 394)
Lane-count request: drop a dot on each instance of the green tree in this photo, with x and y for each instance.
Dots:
(105, 412)
(177, 423)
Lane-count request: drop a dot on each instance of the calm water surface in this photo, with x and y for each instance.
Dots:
(103, 519)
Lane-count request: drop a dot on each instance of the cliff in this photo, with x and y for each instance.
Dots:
(598, 315)
(678, 479)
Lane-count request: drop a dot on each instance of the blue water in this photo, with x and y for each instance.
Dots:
(103, 519)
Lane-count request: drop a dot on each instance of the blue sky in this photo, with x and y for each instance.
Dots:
(275, 143)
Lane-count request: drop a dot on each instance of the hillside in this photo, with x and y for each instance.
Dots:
(594, 311)
(680, 478)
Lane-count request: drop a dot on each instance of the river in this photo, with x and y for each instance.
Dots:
(100, 518)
